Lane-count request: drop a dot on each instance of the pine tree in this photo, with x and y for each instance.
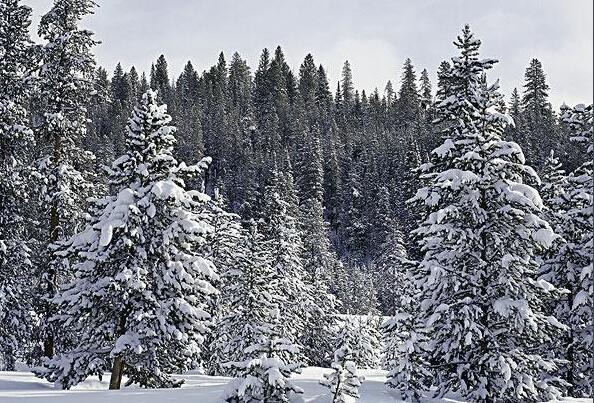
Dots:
(355, 289)
(318, 259)
(279, 229)
(142, 283)
(353, 225)
(262, 358)
(227, 252)
(190, 146)
(265, 378)
(121, 105)
(16, 139)
(516, 132)
(537, 116)
(390, 93)
(408, 104)
(266, 98)
(284, 94)
(443, 80)
(144, 84)
(515, 105)
(390, 272)
(425, 89)
(244, 287)
(308, 89)
(100, 129)
(348, 88)
(404, 343)
(66, 82)
(367, 348)
(344, 382)
(159, 81)
(240, 185)
(215, 121)
(571, 267)
(552, 191)
(481, 305)
(134, 81)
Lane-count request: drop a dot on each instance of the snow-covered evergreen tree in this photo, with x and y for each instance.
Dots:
(404, 342)
(142, 284)
(262, 358)
(344, 381)
(571, 266)
(425, 89)
(264, 374)
(227, 252)
(540, 134)
(409, 100)
(552, 189)
(188, 116)
(318, 260)
(66, 82)
(443, 80)
(389, 271)
(16, 139)
(481, 304)
(367, 341)
(356, 290)
(248, 296)
(279, 228)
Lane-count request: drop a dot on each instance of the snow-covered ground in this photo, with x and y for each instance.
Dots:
(22, 387)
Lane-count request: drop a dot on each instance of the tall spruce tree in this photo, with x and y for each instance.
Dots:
(100, 129)
(552, 191)
(571, 267)
(344, 381)
(425, 89)
(280, 230)
(443, 80)
(16, 140)
(159, 81)
(389, 271)
(481, 304)
(538, 120)
(405, 342)
(318, 260)
(190, 146)
(409, 102)
(66, 81)
(139, 297)
(263, 358)
(227, 251)
(245, 285)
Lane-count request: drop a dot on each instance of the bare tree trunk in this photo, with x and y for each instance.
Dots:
(116, 373)
(48, 346)
(118, 362)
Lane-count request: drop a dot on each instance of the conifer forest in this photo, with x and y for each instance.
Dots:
(261, 234)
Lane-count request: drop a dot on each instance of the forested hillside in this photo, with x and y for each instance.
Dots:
(350, 154)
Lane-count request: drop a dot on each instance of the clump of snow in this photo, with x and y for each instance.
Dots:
(545, 237)
(444, 149)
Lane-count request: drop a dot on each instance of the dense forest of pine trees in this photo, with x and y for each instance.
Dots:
(230, 219)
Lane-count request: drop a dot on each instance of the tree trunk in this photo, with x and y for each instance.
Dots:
(48, 346)
(116, 373)
(118, 362)
(54, 228)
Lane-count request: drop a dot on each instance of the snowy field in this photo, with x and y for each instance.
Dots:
(22, 387)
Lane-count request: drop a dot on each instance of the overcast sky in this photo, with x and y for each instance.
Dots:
(375, 36)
